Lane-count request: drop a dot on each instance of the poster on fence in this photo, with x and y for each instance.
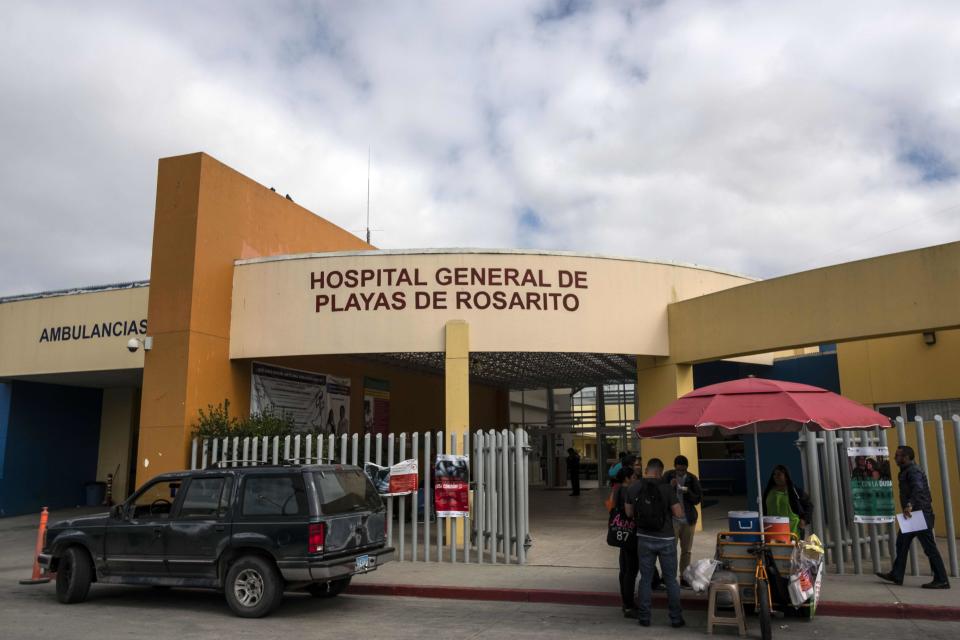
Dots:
(338, 406)
(376, 406)
(289, 392)
(398, 480)
(871, 486)
(450, 489)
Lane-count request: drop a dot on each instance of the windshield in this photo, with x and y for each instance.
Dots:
(345, 491)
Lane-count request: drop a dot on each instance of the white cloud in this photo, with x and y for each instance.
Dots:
(750, 136)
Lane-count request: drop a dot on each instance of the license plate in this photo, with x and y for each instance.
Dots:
(362, 563)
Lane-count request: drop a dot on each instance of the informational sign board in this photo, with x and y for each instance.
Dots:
(376, 406)
(338, 406)
(451, 486)
(398, 480)
(289, 392)
(871, 486)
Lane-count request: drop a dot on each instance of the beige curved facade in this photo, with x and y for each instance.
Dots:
(400, 301)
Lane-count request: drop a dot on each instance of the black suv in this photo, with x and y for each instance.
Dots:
(253, 532)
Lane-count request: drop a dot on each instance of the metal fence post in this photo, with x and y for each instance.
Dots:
(427, 495)
(390, 499)
(813, 460)
(415, 506)
(193, 454)
(947, 500)
(355, 448)
(519, 454)
(833, 501)
(296, 448)
(366, 448)
(453, 521)
(479, 497)
(848, 505)
(492, 512)
(468, 519)
(439, 519)
(403, 501)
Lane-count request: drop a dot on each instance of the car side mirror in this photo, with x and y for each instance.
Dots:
(116, 511)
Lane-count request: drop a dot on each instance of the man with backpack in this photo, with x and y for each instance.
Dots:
(653, 505)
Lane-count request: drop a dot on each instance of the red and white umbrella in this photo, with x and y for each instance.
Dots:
(759, 405)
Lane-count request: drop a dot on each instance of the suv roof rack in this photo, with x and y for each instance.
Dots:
(228, 464)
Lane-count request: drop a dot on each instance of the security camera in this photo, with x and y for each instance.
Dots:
(132, 345)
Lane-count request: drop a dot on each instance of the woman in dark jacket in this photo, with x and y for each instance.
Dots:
(629, 559)
(783, 498)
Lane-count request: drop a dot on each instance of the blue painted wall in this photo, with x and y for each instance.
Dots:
(52, 437)
(5, 391)
(819, 370)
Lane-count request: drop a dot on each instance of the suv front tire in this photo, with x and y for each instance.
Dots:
(253, 587)
(74, 575)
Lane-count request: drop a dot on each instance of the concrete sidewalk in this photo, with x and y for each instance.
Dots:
(854, 596)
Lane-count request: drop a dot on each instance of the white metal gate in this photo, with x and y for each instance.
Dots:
(498, 528)
(826, 479)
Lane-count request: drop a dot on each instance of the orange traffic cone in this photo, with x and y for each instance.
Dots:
(38, 577)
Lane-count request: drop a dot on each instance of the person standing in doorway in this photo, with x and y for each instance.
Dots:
(573, 468)
(687, 487)
(653, 505)
(915, 497)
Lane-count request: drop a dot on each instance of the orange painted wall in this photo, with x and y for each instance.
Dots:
(207, 216)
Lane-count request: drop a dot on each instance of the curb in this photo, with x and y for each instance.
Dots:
(896, 610)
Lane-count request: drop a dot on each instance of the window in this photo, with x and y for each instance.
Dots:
(155, 500)
(274, 496)
(202, 498)
(345, 492)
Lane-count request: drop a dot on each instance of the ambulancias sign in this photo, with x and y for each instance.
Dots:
(458, 288)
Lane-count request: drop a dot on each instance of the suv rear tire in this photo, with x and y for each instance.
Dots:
(329, 589)
(253, 587)
(74, 575)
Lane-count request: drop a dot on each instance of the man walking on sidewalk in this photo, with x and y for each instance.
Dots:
(915, 497)
(688, 491)
(653, 505)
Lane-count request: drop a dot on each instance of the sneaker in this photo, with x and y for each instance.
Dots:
(936, 585)
(643, 623)
(630, 613)
(679, 623)
(889, 577)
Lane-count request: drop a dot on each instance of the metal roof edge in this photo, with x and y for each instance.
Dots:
(455, 250)
(136, 284)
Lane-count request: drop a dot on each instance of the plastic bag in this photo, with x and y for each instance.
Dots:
(699, 573)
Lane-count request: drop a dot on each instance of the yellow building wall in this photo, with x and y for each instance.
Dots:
(903, 369)
(207, 216)
(118, 417)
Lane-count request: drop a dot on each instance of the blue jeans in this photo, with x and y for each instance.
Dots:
(650, 549)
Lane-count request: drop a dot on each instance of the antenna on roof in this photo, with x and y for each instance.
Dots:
(368, 195)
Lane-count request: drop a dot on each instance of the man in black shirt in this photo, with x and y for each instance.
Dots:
(653, 506)
(915, 496)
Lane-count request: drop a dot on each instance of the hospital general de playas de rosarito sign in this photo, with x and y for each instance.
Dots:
(458, 288)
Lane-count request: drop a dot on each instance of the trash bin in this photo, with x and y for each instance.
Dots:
(95, 493)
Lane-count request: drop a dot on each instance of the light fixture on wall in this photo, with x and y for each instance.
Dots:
(133, 344)
(930, 338)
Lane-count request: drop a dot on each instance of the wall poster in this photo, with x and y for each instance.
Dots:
(450, 489)
(376, 406)
(871, 486)
(280, 391)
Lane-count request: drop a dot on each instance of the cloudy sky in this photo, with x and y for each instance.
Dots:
(746, 136)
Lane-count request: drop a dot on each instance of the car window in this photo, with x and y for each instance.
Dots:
(274, 496)
(345, 491)
(155, 500)
(202, 498)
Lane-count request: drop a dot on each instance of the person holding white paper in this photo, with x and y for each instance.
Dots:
(915, 497)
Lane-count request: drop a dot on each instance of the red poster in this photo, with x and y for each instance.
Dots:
(451, 496)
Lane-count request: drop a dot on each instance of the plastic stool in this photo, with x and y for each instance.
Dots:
(737, 620)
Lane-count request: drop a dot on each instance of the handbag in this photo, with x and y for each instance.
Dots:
(621, 530)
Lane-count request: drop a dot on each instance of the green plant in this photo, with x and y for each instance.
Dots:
(216, 422)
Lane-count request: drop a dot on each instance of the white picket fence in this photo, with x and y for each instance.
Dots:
(498, 528)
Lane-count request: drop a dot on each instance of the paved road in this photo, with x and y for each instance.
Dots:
(133, 612)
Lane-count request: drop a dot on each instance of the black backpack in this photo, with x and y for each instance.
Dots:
(650, 510)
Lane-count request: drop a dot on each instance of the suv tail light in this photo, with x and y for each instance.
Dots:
(316, 535)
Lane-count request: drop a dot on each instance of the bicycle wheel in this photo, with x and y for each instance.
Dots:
(763, 609)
